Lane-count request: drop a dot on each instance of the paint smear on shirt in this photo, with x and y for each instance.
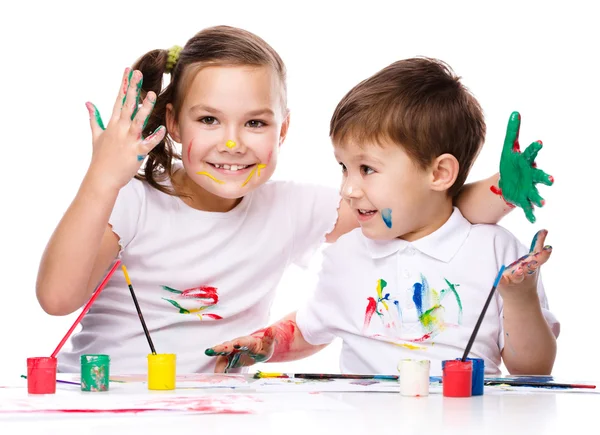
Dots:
(386, 214)
(206, 296)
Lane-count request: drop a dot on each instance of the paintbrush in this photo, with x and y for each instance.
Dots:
(86, 307)
(517, 383)
(481, 316)
(260, 375)
(58, 381)
(139, 311)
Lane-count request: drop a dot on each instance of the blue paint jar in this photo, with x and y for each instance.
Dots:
(477, 377)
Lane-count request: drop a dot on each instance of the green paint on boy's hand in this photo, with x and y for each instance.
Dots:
(518, 172)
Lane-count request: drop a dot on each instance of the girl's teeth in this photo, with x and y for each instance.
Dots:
(232, 168)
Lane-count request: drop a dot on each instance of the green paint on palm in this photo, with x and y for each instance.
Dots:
(518, 174)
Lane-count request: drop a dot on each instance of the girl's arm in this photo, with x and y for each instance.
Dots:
(279, 342)
(83, 244)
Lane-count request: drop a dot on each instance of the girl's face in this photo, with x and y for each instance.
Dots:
(230, 126)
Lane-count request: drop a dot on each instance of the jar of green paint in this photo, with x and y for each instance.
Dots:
(95, 372)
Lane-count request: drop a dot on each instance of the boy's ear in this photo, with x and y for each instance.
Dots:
(444, 172)
(284, 128)
(172, 126)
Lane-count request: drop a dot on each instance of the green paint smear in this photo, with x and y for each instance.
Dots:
(428, 318)
(176, 305)
(172, 290)
(98, 118)
(452, 288)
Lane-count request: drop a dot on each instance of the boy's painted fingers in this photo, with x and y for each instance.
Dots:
(151, 141)
(537, 243)
(532, 151)
(131, 97)
(540, 176)
(116, 113)
(141, 118)
(96, 123)
(535, 197)
(512, 132)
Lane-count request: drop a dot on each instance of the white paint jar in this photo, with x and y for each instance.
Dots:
(414, 377)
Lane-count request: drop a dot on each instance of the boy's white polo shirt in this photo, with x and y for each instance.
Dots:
(390, 300)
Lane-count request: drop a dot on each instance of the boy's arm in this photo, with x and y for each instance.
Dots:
(479, 204)
(279, 342)
(529, 342)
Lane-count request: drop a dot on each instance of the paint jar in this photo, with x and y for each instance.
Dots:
(477, 377)
(457, 378)
(161, 371)
(41, 375)
(95, 372)
(414, 377)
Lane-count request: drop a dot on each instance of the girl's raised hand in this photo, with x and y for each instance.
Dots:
(119, 149)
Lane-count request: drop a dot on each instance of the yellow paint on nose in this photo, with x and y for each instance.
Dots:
(230, 144)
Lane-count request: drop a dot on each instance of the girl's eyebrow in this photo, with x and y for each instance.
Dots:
(261, 112)
(205, 108)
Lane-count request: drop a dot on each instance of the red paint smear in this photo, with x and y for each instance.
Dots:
(202, 292)
(212, 316)
(423, 338)
(201, 409)
(189, 149)
(125, 81)
(282, 334)
(551, 178)
(516, 147)
(371, 307)
(269, 158)
(498, 191)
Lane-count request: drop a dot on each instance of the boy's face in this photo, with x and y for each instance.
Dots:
(390, 195)
(231, 125)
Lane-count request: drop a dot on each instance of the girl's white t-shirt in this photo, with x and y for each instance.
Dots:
(200, 277)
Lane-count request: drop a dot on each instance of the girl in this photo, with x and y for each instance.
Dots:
(205, 238)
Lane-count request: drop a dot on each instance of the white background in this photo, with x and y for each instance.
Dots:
(540, 59)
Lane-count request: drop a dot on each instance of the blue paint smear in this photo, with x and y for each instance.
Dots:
(533, 242)
(418, 297)
(397, 304)
(140, 157)
(386, 214)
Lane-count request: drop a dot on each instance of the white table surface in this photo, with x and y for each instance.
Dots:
(498, 411)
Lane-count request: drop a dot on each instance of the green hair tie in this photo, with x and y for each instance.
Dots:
(172, 58)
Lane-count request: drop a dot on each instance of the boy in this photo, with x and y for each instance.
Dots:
(412, 281)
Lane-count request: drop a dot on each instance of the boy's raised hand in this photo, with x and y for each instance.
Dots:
(520, 278)
(243, 351)
(518, 172)
(119, 149)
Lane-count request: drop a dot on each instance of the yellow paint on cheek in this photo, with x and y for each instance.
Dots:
(230, 144)
(216, 180)
(249, 177)
(260, 166)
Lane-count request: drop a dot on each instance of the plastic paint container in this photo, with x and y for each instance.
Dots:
(95, 372)
(41, 375)
(477, 376)
(414, 377)
(457, 378)
(161, 371)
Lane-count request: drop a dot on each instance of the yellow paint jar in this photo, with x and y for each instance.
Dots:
(161, 371)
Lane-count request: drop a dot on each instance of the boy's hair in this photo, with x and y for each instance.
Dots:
(420, 105)
(214, 46)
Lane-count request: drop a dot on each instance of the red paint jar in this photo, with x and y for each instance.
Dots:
(41, 375)
(457, 378)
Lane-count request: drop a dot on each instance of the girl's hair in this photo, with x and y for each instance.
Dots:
(214, 46)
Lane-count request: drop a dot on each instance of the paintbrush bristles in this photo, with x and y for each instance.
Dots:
(482, 315)
(126, 275)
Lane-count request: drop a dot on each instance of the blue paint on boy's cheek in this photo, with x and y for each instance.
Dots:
(386, 214)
